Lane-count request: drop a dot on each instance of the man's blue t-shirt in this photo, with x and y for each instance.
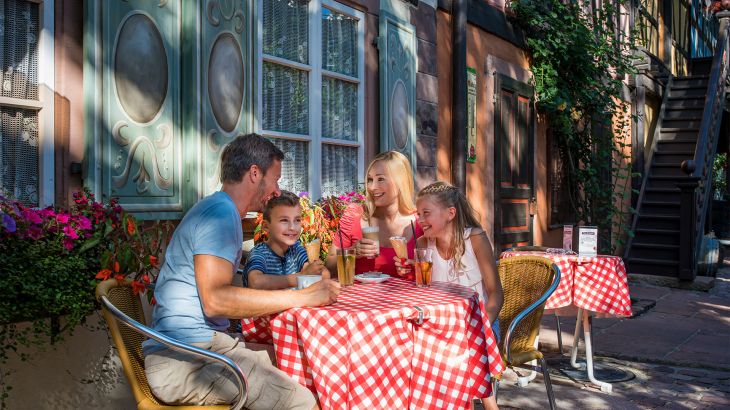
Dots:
(211, 227)
(264, 259)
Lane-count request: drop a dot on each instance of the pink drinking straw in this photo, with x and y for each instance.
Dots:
(342, 246)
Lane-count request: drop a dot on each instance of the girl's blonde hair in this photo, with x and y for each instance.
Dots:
(448, 196)
(399, 171)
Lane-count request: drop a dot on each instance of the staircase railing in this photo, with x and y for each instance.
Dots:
(700, 168)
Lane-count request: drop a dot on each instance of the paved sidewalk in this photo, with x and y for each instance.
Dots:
(677, 344)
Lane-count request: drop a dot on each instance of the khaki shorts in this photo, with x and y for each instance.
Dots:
(178, 378)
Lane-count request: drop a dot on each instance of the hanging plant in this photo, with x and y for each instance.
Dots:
(579, 65)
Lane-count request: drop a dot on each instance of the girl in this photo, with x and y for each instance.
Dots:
(462, 252)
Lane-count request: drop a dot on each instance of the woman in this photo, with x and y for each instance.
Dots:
(388, 206)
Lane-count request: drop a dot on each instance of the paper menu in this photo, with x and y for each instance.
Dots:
(587, 241)
(568, 237)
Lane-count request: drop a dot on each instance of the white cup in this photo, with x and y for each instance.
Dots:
(304, 281)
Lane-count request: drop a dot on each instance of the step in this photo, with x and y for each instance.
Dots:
(659, 236)
(682, 92)
(665, 181)
(667, 170)
(649, 221)
(652, 266)
(693, 97)
(673, 156)
(682, 122)
(654, 251)
(694, 103)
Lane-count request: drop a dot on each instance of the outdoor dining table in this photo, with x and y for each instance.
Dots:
(388, 345)
(595, 285)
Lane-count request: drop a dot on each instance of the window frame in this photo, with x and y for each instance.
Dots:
(315, 73)
(44, 106)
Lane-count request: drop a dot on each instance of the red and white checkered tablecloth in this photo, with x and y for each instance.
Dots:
(598, 284)
(365, 351)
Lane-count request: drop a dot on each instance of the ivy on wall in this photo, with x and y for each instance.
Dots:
(580, 59)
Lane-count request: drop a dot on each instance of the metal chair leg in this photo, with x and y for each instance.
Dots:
(548, 383)
(560, 334)
(495, 389)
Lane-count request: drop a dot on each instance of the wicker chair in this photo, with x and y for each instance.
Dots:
(120, 304)
(527, 282)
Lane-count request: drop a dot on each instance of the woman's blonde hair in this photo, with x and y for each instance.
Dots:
(448, 196)
(399, 171)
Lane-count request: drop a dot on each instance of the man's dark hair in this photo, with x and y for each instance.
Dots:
(244, 151)
(286, 198)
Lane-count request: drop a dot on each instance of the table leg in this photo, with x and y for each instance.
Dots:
(576, 340)
(605, 387)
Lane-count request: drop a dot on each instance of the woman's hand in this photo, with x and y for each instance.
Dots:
(402, 266)
(367, 248)
(313, 268)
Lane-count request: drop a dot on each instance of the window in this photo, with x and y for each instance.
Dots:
(25, 115)
(310, 92)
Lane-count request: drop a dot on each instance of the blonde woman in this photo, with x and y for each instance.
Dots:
(389, 206)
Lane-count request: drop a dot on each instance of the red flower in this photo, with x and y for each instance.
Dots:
(116, 266)
(131, 228)
(138, 287)
(104, 274)
(153, 261)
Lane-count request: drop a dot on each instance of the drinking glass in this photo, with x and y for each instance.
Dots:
(424, 267)
(346, 266)
(372, 233)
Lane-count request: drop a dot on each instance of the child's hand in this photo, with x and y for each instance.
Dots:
(313, 268)
(403, 266)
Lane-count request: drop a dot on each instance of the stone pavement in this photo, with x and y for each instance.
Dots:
(677, 344)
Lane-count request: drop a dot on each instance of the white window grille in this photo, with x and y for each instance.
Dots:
(26, 100)
(311, 92)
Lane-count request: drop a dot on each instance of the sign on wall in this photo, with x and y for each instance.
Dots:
(471, 109)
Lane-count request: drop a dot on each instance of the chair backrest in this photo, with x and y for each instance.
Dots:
(529, 249)
(127, 341)
(525, 280)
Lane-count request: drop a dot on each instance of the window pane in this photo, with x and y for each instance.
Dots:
(295, 167)
(339, 109)
(285, 103)
(339, 169)
(286, 29)
(19, 49)
(19, 154)
(339, 42)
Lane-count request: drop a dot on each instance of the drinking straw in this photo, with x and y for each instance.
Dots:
(413, 228)
(342, 246)
(415, 242)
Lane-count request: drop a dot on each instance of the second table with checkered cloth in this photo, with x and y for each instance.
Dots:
(594, 284)
(368, 351)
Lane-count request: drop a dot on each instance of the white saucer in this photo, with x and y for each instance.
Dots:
(372, 277)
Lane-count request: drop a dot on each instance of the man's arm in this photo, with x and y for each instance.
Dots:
(220, 298)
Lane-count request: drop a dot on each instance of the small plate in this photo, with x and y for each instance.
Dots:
(372, 277)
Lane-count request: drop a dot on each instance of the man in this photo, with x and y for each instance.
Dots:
(195, 295)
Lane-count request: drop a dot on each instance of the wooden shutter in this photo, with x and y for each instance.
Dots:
(224, 74)
(397, 53)
(139, 157)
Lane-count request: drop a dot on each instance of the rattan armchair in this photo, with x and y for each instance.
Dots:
(120, 305)
(527, 282)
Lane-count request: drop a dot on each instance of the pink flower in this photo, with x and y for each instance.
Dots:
(70, 232)
(62, 218)
(47, 213)
(84, 223)
(68, 243)
(34, 232)
(31, 216)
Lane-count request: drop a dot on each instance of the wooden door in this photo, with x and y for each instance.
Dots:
(514, 163)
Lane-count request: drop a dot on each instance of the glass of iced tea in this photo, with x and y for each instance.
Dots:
(424, 266)
(346, 266)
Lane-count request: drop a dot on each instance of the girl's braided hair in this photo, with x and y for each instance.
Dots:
(449, 196)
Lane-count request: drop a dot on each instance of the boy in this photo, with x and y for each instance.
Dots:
(275, 264)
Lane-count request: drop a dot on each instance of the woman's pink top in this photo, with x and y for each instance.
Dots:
(352, 232)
